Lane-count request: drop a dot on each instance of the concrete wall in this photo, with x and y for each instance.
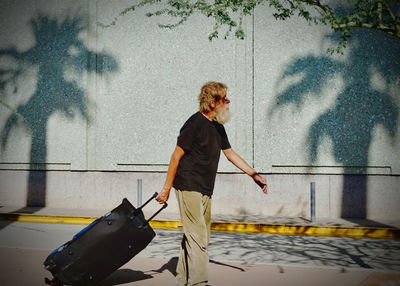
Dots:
(235, 194)
(100, 108)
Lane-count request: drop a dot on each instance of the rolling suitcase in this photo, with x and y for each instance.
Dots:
(102, 247)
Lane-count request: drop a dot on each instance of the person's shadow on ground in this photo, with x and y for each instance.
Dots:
(123, 276)
(172, 263)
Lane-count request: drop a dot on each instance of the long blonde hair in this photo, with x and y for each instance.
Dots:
(210, 92)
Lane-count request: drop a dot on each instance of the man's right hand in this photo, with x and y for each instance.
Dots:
(172, 168)
(262, 182)
(163, 196)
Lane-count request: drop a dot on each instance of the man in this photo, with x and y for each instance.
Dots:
(192, 171)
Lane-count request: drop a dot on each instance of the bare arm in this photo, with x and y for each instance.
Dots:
(172, 168)
(239, 162)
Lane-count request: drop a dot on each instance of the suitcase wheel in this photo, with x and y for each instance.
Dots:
(53, 282)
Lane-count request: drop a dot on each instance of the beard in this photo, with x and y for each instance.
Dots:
(222, 116)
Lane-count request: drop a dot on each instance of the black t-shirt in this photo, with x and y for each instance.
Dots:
(202, 140)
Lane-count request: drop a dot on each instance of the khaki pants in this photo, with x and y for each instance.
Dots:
(195, 210)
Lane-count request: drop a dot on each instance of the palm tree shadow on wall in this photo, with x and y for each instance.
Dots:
(359, 107)
(57, 49)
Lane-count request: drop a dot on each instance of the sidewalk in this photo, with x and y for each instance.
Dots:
(235, 258)
(24, 267)
(240, 224)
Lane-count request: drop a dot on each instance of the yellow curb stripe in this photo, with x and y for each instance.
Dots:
(166, 224)
(310, 230)
(47, 219)
(237, 227)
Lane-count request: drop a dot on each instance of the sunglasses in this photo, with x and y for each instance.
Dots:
(225, 100)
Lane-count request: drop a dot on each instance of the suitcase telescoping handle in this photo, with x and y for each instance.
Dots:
(149, 200)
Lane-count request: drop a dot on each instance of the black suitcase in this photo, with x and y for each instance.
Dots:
(102, 247)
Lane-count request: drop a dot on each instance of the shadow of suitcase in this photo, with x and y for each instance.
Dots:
(102, 247)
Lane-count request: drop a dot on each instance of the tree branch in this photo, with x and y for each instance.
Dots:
(362, 25)
(389, 11)
(395, 31)
(394, 18)
(376, 14)
(325, 8)
(379, 20)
